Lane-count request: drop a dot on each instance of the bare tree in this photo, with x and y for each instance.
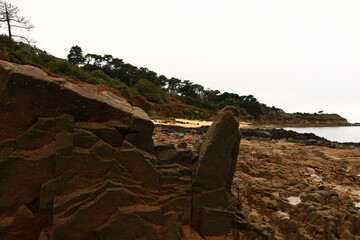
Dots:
(9, 16)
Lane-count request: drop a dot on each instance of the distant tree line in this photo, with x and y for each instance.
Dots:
(116, 73)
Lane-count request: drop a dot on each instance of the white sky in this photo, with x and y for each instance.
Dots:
(298, 55)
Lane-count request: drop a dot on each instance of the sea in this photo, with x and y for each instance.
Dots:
(338, 134)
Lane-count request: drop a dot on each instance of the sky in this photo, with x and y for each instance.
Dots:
(299, 55)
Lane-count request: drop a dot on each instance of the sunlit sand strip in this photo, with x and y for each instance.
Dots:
(192, 123)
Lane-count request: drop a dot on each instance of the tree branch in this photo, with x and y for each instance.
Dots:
(25, 38)
(16, 20)
(23, 27)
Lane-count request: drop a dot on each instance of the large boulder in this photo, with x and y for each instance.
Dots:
(214, 173)
(28, 93)
(76, 163)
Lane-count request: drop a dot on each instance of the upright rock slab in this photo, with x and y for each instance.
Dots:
(212, 213)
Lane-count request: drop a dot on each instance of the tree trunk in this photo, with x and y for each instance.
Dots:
(9, 26)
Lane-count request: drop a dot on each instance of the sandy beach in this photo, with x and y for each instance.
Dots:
(198, 123)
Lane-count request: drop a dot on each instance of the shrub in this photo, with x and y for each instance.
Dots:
(112, 82)
(150, 91)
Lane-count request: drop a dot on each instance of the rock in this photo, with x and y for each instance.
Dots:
(215, 222)
(46, 201)
(103, 150)
(172, 226)
(142, 166)
(215, 169)
(110, 135)
(182, 145)
(78, 163)
(71, 158)
(128, 225)
(43, 236)
(23, 215)
(84, 139)
(315, 197)
(35, 168)
(218, 152)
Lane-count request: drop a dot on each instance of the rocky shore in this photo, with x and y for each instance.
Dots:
(262, 134)
(289, 185)
(80, 163)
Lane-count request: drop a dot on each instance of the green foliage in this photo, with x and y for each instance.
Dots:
(229, 102)
(105, 79)
(63, 67)
(111, 82)
(150, 91)
(76, 56)
(4, 46)
(249, 103)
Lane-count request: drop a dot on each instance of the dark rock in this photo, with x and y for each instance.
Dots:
(216, 166)
(166, 156)
(172, 226)
(78, 163)
(84, 139)
(215, 222)
(164, 146)
(69, 170)
(104, 150)
(182, 145)
(126, 225)
(138, 163)
(217, 155)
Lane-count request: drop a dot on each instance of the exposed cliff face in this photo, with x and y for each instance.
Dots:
(76, 163)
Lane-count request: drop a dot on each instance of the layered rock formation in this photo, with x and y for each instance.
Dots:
(77, 163)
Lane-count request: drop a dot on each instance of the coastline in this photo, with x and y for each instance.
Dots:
(260, 134)
(245, 125)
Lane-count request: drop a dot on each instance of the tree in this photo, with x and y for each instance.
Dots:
(211, 95)
(94, 59)
(9, 16)
(162, 81)
(187, 89)
(76, 56)
(173, 85)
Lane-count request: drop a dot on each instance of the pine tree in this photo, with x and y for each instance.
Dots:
(9, 16)
(76, 56)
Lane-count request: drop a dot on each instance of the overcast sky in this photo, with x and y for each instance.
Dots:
(299, 55)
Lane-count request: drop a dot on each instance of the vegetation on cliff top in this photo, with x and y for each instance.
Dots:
(158, 95)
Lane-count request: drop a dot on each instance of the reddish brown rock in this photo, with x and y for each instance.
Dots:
(66, 163)
(76, 163)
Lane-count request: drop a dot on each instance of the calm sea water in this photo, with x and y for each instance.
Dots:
(339, 134)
